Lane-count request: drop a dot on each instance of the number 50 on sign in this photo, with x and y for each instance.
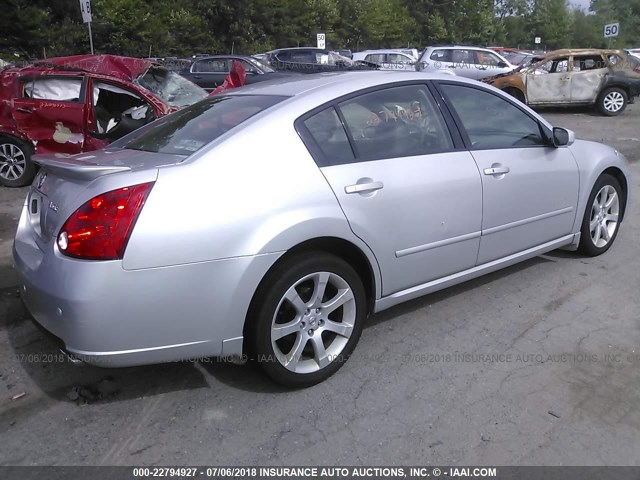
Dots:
(611, 30)
(85, 8)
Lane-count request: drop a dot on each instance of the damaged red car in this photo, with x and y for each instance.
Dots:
(77, 104)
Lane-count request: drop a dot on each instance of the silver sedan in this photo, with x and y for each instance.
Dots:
(272, 220)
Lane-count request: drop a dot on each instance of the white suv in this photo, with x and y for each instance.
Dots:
(464, 61)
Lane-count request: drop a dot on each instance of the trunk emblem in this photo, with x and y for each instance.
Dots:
(41, 180)
(53, 206)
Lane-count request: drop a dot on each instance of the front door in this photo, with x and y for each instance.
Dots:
(530, 189)
(549, 82)
(405, 191)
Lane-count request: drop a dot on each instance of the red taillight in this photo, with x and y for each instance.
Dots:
(100, 229)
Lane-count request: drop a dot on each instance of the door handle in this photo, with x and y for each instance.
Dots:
(24, 110)
(364, 187)
(496, 170)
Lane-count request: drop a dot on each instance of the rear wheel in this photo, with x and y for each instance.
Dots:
(307, 319)
(16, 167)
(612, 101)
(601, 217)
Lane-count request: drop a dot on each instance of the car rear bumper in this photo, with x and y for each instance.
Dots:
(112, 317)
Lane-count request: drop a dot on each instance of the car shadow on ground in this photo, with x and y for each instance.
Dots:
(38, 355)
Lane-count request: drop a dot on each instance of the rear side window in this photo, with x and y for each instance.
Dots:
(48, 88)
(491, 121)
(327, 132)
(188, 130)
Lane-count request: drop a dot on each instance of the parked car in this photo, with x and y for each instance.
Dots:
(607, 79)
(345, 52)
(519, 58)
(210, 72)
(465, 61)
(387, 59)
(79, 104)
(312, 60)
(181, 241)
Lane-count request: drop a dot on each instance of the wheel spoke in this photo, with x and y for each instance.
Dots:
(294, 355)
(603, 197)
(319, 351)
(611, 217)
(19, 169)
(320, 284)
(294, 298)
(342, 329)
(596, 236)
(594, 224)
(343, 296)
(613, 198)
(605, 233)
(279, 331)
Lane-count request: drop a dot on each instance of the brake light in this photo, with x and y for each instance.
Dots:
(100, 229)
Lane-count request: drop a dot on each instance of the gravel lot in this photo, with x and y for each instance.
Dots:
(537, 364)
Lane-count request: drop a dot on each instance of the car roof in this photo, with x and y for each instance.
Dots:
(334, 84)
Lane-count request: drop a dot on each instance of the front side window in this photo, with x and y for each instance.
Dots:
(487, 59)
(53, 88)
(492, 121)
(395, 122)
(441, 56)
(187, 130)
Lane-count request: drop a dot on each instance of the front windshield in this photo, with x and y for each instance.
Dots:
(170, 87)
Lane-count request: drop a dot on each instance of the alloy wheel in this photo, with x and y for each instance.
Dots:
(613, 101)
(313, 322)
(603, 221)
(13, 161)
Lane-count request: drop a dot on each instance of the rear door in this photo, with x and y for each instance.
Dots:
(405, 188)
(587, 77)
(51, 110)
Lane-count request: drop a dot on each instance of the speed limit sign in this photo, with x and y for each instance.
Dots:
(321, 40)
(611, 30)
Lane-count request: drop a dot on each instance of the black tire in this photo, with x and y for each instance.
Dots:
(517, 94)
(612, 101)
(16, 167)
(269, 308)
(587, 244)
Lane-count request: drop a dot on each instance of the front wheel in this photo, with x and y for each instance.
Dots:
(612, 101)
(307, 319)
(601, 217)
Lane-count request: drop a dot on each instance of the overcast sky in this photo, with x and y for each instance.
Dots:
(582, 4)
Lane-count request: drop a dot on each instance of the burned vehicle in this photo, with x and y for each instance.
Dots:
(77, 104)
(607, 79)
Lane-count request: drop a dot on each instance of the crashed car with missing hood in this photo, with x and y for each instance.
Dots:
(69, 105)
(607, 79)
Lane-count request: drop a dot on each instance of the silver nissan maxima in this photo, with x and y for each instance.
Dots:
(272, 220)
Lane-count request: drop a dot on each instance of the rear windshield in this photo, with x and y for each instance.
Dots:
(188, 130)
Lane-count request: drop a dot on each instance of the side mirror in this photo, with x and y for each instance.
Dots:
(502, 65)
(563, 137)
